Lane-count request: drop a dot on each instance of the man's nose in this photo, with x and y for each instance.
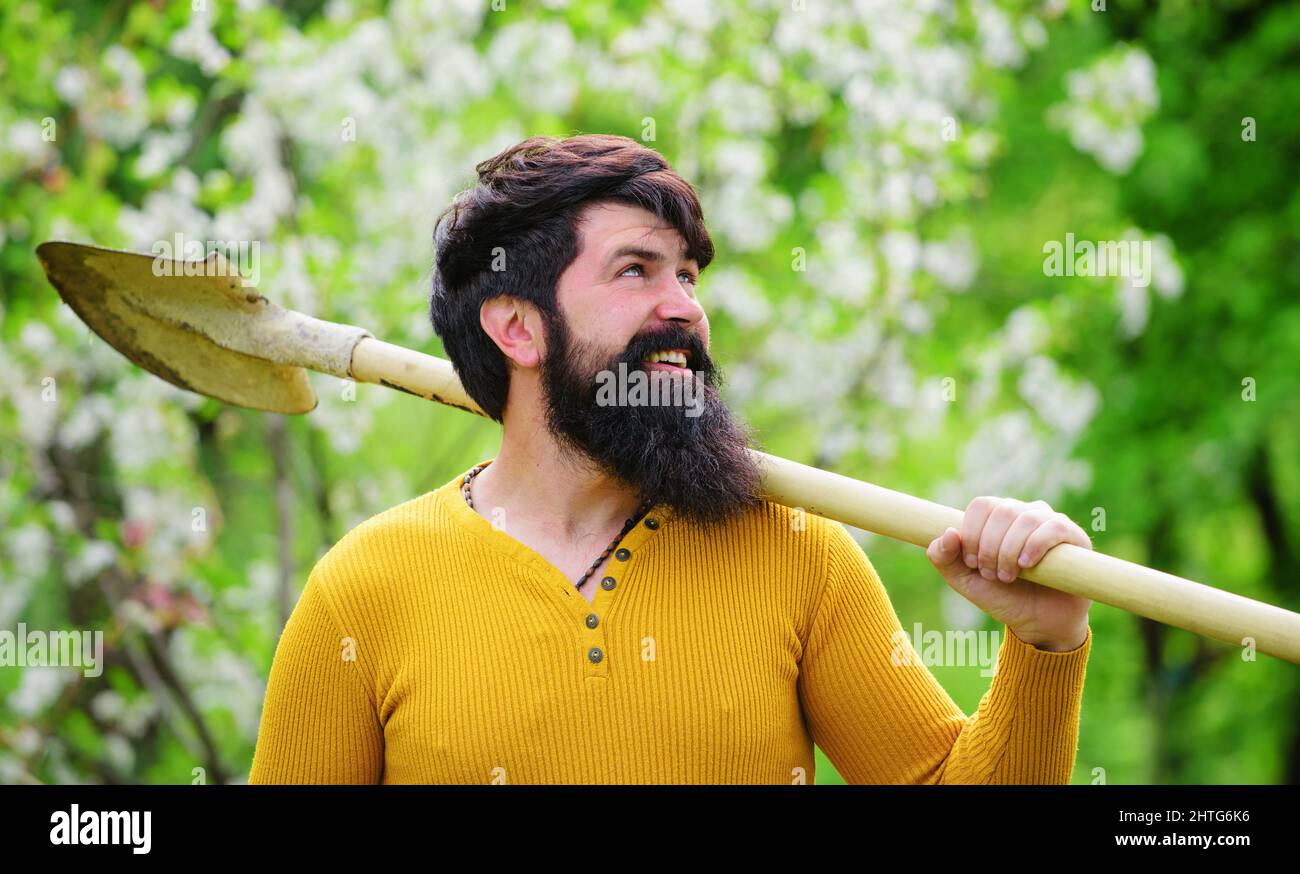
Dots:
(678, 304)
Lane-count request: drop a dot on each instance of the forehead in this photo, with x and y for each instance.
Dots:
(604, 228)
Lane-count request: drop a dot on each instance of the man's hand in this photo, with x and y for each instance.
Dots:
(999, 537)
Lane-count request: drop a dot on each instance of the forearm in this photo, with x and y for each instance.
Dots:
(1026, 728)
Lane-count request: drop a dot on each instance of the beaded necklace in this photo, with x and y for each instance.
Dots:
(627, 526)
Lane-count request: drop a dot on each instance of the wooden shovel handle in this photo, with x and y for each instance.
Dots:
(414, 372)
(1156, 595)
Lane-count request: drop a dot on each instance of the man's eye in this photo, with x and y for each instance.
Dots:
(685, 274)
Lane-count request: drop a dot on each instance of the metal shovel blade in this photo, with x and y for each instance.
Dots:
(174, 319)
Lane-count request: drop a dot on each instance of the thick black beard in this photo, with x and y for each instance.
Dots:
(698, 465)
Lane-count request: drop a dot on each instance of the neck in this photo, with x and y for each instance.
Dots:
(540, 485)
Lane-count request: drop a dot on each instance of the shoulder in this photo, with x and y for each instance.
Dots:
(373, 559)
(824, 547)
(408, 519)
(790, 527)
(779, 547)
(776, 535)
(772, 521)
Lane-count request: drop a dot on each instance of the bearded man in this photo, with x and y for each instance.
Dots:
(609, 598)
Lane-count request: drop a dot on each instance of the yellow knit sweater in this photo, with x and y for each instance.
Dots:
(430, 647)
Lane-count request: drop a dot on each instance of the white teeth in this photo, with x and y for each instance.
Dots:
(677, 358)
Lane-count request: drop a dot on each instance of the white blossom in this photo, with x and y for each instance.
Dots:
(71, 83)
(37, 689)
(1108, 102)
(95, 556)
(196, 43)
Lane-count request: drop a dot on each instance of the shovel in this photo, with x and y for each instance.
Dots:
(198, 326)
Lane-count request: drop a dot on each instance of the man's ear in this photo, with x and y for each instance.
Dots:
(516, 327)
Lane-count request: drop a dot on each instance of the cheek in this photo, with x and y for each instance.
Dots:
(607, 331)
(615, 324)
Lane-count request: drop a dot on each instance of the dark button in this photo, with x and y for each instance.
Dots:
(595, 654)
(622, 555)
(652, 523)
(608, 583)
(592, 621)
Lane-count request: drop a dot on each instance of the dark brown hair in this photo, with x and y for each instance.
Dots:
(525, 205)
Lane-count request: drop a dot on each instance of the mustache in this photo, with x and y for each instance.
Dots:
(671, 337)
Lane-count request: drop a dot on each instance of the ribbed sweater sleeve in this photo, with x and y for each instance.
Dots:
(319, 721)
(881, 718)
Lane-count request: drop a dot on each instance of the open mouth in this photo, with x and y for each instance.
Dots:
(670, 360)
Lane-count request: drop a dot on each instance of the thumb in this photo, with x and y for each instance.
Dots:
(944, 553)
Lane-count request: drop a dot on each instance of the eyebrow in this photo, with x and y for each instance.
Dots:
(637, 252)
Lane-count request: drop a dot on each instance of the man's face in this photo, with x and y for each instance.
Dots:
(628, 294)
